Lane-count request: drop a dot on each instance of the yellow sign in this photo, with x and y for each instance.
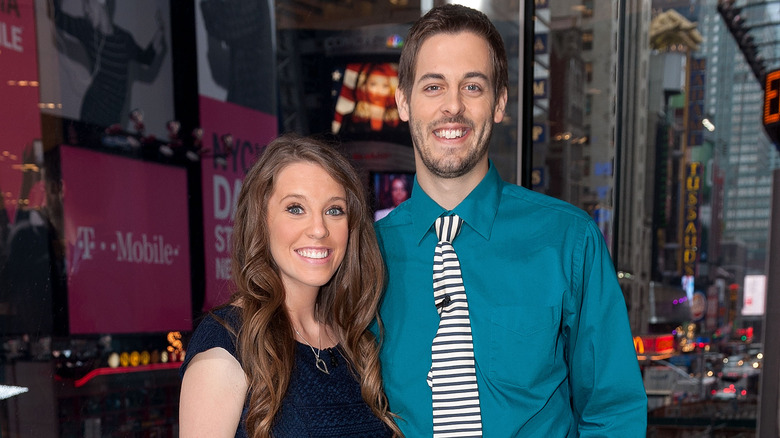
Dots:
(691, 218)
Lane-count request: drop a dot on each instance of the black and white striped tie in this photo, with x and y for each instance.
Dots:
(452, 378)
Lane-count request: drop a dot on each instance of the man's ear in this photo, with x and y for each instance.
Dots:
(498, 112)
(403, 105)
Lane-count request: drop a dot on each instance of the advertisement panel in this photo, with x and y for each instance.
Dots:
(235, 135)
(23, 309)
(691, 219)
(236, 60)
(102, 60)
(754, 296)
(236, 72)
(127, 244)
(21, 123)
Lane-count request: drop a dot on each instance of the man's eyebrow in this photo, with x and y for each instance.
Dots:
(439, 76)
(429, 76)
(476, 74)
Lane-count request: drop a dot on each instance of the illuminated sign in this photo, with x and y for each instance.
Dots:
(540, 44)
(698, 306)
(754, 295)
(696, 83)
(539, 133)
(639, 345)
(772, 98)
(658, 344)
(693, 173)
(540, 88)
(537, 177)
(394, 41)
(771, 113)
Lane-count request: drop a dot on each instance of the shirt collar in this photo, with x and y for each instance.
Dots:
(478, 210)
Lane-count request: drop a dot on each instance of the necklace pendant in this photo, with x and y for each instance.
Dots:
(321, 365)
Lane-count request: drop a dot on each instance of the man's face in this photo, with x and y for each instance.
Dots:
(452, 107)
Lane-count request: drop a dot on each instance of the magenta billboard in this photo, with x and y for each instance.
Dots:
(127, 244)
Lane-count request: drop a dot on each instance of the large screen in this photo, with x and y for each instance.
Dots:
(365, 108)
(127, 244)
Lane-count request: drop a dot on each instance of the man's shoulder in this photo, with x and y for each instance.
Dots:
(397, 217)
(515, 196)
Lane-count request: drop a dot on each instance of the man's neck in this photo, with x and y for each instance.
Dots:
(449, 192)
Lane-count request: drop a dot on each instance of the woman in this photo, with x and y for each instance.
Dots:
(291, 353)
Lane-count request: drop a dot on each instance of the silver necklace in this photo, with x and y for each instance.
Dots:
(321, 365)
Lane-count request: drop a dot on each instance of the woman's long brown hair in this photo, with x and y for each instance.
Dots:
(348, 303)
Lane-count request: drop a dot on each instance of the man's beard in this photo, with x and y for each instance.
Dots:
(446, 167)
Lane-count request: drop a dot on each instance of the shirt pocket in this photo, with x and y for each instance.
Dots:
(523, 344)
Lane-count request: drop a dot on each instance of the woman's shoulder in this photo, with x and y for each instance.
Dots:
(217, 329)
(217, 322)
(230, 315)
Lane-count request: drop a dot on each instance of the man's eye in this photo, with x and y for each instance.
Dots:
(432, 88)
(473, 87)
(295, 209)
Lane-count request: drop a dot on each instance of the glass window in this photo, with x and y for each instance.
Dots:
(652, 105)
(618, 108)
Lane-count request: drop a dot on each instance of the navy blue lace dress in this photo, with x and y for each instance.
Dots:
(316, 404)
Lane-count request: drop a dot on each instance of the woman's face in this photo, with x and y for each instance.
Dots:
(398, 191)
(308, 226)
(378, 87)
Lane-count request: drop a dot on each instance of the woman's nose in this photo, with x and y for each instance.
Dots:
(318, 228)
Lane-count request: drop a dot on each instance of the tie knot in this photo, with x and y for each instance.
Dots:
(448, 227)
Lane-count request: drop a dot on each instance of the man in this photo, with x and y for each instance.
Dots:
(552, 348)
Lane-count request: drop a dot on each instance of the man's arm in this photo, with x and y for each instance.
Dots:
(608, 394)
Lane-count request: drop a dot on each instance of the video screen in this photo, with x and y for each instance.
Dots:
(365, 107)
(390, 189)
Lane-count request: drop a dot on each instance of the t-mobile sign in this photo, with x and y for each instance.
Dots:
(127, 238)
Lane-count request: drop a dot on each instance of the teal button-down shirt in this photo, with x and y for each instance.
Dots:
(553, 348)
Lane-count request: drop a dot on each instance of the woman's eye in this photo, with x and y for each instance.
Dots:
(335, 211)
(295, 209)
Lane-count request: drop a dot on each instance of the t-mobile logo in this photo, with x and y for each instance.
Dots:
(85, 239)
